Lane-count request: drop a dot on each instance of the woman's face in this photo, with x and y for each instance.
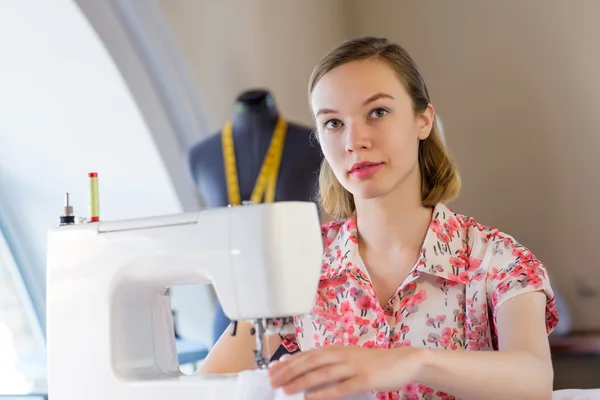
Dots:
(367, 128)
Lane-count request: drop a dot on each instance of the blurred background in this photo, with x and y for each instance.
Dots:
(127, 87)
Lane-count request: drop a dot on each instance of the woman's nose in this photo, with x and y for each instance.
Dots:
(357, 138)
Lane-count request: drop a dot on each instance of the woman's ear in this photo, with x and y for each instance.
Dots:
(425, 122)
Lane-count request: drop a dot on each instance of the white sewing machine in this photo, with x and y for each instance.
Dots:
(109, 325)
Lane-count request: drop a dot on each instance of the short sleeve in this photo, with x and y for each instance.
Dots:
(513, 271)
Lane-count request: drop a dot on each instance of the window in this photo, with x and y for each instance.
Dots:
(22, 361)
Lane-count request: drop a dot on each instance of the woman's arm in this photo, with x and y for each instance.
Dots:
(522, 369)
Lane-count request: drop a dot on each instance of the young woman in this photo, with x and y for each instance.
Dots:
(410, 292)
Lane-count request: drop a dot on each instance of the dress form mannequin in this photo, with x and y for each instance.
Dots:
(253, 126)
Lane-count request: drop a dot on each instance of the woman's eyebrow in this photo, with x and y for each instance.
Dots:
(370, 99)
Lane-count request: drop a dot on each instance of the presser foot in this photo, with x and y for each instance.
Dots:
(262, 328)
(261, 361)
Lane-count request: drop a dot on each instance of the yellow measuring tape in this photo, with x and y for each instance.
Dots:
(269, 171)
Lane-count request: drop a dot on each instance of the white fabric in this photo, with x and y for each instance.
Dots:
(576, 394)
(255, 385)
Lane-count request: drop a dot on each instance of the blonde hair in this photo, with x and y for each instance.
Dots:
(440, 180)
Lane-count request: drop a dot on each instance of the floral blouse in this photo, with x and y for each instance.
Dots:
(465, 272)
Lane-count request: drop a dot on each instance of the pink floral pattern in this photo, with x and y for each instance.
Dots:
(465, 272)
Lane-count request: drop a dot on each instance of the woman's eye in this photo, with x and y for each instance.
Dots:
(332, 124)
(379, 112)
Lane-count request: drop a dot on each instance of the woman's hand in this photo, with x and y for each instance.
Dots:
(333, 372)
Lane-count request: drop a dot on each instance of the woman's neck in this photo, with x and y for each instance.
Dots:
(393, 223)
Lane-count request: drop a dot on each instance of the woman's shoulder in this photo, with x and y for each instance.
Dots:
(479, 238)
(487, 235)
